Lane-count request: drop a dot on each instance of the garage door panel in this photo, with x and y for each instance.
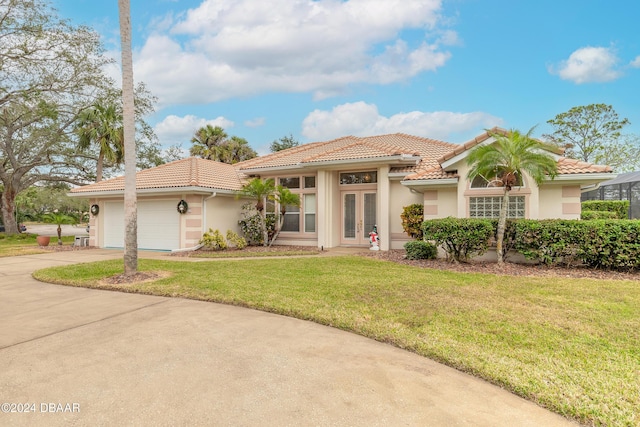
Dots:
(158, 225)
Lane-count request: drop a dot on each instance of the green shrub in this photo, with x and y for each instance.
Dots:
(251, 225)
(611, 244)
(620, 207)
(213, 240)
(461, 238)
(549, 241)
(235, 240)
(419, 249)
(605, 244)
(588, 215)
(412, 217)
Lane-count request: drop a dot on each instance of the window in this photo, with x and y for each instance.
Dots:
(309, 205)
(369, 177)
(291, 219)
(489, 207)
(292, 182)
(309, 182)
(300, 219)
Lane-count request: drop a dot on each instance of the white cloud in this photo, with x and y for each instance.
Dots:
(362, 119)
(254, 123)
(227, 48)
(179, 130)
(589, 64)
(636, 62)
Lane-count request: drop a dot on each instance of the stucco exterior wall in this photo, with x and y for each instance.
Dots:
(440, 203)
(559, 202)
(222, 212)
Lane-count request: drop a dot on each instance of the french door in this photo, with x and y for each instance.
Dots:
(358, 216)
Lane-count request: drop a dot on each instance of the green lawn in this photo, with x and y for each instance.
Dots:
(572, 345)
(25, 244)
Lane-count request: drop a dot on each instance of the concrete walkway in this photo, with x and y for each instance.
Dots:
(109, 358)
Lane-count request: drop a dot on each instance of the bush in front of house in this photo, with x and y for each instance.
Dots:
(589, 215)
(235, 240)
(419, 249)
(412, 217)
(251, 225)
(551, 242)
(461, 238)
(611, 244)
(620, 207)
(213, 240)
(604, 244)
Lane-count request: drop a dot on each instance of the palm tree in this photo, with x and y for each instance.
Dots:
(236, 150)
(59, 219)
(504, 162)
(102, 125)
(207, 143)
(285, 198)
(260, 190)
(128, 114)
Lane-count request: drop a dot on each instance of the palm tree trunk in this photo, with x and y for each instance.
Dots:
(275, 236)
(59, 230)
(128, 111)
(502, 223)
(99, 166)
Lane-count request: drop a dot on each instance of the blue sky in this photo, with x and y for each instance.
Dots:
(321, 69)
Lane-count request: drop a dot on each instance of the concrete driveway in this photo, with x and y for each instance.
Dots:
(85, 357)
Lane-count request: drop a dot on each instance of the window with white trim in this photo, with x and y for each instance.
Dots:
(489, 207)
(300, 219)
(309, 205)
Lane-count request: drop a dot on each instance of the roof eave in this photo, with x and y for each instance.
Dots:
(148, 191)
(401, 159)
(581, 177)
(430, 183)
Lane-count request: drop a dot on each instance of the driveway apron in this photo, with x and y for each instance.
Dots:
(73, 356)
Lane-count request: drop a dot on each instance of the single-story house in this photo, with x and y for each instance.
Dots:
(347, 186)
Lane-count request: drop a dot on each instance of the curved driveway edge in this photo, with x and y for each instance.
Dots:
(111, 358)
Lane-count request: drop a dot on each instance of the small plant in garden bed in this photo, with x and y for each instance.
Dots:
(421, 250)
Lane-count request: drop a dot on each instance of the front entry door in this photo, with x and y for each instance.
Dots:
(358, 216)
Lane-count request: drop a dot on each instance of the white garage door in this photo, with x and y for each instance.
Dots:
(158, 225)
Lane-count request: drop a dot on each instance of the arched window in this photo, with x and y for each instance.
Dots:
(481, 182)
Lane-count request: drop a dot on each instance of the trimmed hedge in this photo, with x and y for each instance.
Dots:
(420, 249)
(620, 207)
(601, 244)
(461, 238)
(588, 215)
(604, 244)
(550, 241)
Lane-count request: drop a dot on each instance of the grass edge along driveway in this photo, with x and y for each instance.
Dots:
(571, 345)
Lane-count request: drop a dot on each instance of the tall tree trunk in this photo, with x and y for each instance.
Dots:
(280, 224)
(128, 111)
(99, 166)
(8, 205)
(502, 223)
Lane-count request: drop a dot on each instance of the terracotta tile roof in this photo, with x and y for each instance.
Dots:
(354, 148)
(565, 167)
(190, 172)
(569, 166)
(195, 172)
(434, 173)
(461, 148)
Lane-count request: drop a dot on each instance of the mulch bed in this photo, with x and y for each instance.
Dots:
(508, 268)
